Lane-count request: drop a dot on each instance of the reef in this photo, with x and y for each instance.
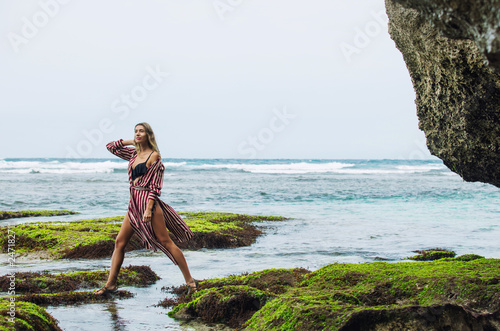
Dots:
(233, 300)
(71, 298)
(452, 52)
(34, 289)
(45, 282)
(28, 316)
(65, 239)
(32, 213)
(223, 230)
(461, 293)
(433, 254)
(95, 238)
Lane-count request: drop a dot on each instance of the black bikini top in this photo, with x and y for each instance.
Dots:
(140, 169)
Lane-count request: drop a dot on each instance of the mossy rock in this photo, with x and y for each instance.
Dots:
(468, 257)
(432, 254)
(275, 281)
(381, 295)
(223, 230)
(60, 239)
(28, 316)
(443, 294)
(229, 304)
(233, 300)
(95, 238)
(35, 282)
(32, 213)
(71, 298)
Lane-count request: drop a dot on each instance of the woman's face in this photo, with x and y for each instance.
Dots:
(140, 135)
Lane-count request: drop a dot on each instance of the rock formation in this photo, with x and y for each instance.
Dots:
(452, 51)
(460, 293)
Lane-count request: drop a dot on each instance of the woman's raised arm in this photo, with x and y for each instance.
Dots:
(118, 148)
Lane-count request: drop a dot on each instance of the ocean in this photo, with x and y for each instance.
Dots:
(345, 211)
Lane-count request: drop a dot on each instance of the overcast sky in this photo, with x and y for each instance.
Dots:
(214, 78)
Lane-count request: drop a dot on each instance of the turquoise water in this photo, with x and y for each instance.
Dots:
(340, 211)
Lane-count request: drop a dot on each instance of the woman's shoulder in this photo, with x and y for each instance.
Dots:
(154, 157)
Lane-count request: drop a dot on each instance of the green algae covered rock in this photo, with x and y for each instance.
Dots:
(409, 296)
(63, 239)
(32, 213)
(35, 282)
(447, 294)
(95, 238)
(432, 254)
(223, 230)
(72, 298)
(28, 316)
(275, 281)
(230, 304)
(33, 289)
(234, 299)
(468, 257)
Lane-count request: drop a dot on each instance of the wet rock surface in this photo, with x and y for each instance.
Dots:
(45, 283)
(233, 300)
(34, 290)
(95, 238)
(461, 293)
(33, 213)
(28, 316)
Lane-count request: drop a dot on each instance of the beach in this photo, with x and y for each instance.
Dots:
(348, 211)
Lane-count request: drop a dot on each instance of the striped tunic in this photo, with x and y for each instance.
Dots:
(152, 182)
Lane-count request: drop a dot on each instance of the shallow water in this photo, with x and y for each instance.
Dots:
(340, 211)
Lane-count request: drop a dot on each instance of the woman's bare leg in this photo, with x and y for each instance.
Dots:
(161, 233)
(121, 242)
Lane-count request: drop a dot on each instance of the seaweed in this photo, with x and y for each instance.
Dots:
(32, 213)
(26, 316)
(35, 282)
(234, 299)
(432, 254)
(71, 298)
(443, 294)
(95, 238)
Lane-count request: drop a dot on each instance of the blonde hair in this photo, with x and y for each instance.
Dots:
(151, 138)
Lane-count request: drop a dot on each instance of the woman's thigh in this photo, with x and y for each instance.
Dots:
(126, 231)
(159, 227)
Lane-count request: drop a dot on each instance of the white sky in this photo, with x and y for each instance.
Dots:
(66, 68)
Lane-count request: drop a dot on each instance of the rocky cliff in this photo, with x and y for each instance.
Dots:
(452, 51)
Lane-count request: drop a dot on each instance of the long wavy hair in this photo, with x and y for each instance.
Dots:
(151, 138)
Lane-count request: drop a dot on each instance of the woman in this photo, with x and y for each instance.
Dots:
(148, 216)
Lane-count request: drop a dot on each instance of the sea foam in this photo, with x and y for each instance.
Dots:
(60, 167)
(287, 168)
